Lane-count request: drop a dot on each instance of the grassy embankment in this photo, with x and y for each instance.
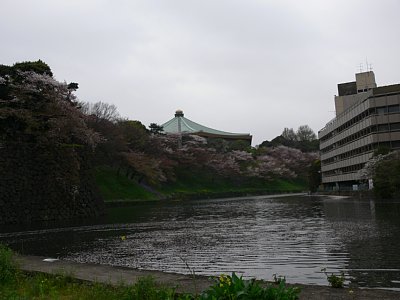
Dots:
(15, 284)
(114, 186)
(190, 184)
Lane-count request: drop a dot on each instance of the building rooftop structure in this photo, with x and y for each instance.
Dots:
(181, 125)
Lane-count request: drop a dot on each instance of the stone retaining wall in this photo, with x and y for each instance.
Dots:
(45, 184)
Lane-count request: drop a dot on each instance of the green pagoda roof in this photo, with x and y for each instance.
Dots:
(180, 124)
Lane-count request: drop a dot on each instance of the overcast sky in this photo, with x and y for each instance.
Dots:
(253, 66)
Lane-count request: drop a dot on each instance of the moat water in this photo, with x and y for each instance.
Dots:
(292, 236)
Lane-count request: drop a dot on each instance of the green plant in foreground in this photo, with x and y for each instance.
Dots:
(335, 281)
(8, 268)
(147, 289)
(233, 287)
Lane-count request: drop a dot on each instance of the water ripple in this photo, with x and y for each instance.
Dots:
(256, 237)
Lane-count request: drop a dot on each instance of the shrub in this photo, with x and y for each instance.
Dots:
(8, 268)
(234, 287)
(335, 281)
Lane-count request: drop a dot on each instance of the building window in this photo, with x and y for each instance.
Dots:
(381, 110)
(395, 126)
(383, 127)
(393, 108)
(395, 144)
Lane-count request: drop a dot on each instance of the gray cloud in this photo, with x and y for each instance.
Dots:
(243, 66)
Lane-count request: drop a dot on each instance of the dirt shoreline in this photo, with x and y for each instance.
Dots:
(184, 283)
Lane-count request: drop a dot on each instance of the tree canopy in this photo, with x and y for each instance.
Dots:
(38, 67)
(304, 139)
(155, 128)
(45, 146)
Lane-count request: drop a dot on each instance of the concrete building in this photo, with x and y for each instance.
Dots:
(367, 118)
(181, 125)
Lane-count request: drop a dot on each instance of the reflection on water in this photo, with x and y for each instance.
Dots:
(254, 236)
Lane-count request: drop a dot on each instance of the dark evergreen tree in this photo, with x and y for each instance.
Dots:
(155, 128)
